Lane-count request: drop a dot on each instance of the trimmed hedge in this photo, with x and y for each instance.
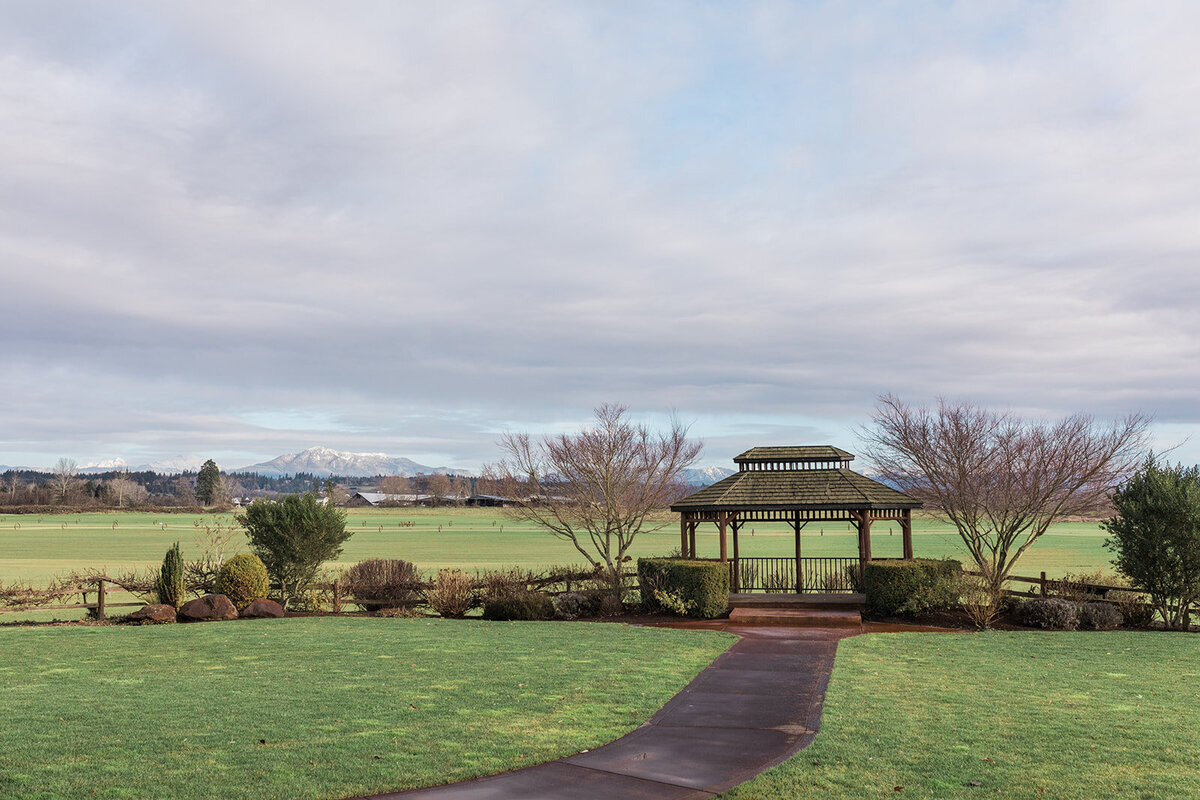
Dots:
(910, 587)
(695, 588)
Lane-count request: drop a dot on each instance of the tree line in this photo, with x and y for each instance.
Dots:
(65, 486)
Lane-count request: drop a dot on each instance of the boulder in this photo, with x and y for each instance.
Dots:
(211, 606)
(262, 607)
(158, 612)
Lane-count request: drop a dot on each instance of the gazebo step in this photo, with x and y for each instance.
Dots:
(842, 601)
(799, 618)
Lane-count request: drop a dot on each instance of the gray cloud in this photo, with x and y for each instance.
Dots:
(413, 227)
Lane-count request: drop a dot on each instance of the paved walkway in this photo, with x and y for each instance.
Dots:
(755, 706)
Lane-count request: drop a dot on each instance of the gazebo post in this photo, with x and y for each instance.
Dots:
(692, 538)
(736, 569)
(864, 535)
(906, 532)
(799, 563)
(722, 519)
(683, 535)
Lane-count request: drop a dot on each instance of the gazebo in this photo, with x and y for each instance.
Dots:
(794, 485)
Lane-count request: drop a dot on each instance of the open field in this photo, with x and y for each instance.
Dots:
(1072, 716)
(48, 545)
(319, 707)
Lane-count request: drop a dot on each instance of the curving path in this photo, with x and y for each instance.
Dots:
(755, 706)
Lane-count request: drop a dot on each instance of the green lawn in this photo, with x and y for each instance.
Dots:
(319, 707)
(1072, 716)
(47, 545)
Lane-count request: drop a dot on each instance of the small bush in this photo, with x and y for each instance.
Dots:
(399, 612)
(452, 593)
(1099, 617)
(1073, 586)
(389, 582)
(523, 605)
(912, 586)
(572, 605)
(242, 579)
(610, 605)
(977, 600)
(1051, 613)
(695, 588)
(1133, 607)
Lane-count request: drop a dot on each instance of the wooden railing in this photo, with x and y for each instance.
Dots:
(778, 574)
(96, 609)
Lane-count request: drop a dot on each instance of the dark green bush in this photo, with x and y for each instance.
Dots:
(383, 583)
(242, 579)
(523, 605)
(681, 586)
(1099, 617)
(169, 587)
(1051, 613)
(910, 587)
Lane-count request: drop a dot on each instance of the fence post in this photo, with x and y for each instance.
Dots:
(1043, 583)
(100, 590)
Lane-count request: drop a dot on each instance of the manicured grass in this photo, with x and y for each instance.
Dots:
(47, 545)
(319, 707)
(1056, 715)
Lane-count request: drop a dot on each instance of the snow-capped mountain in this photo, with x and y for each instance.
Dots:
(704, 476)
(166, 466)
(324, 461)
(104, 465)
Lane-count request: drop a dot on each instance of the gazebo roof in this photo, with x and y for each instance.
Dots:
(804, 489)
(822, 452)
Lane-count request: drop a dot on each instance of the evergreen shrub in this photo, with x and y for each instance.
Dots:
(1050, 613)
(522, 605)
(1099, 617)
(682, 586)
(170, 588)
(911, 586)
(243, 579)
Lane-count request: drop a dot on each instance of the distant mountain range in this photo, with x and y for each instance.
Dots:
(324, 462)
(704, 476)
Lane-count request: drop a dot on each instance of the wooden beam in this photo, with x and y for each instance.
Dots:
(906, 533)
(722, 521)
(692, 539)
(736, 564)
(799, 563)
(683, 537)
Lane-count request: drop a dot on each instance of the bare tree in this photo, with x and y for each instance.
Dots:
(1002, 481)
(185, 493)
(12, 482)
(394, 486)
(64, 477)
(123, 490)
(438, 487)
(597, 488)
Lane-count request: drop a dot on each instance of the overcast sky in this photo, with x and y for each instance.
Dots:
(243, 229)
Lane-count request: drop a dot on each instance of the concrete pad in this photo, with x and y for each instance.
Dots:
(712, 759)
(553, 781)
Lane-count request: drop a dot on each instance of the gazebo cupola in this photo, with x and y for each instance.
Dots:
(787, 459)
(795, 485)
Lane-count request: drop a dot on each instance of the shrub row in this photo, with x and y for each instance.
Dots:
(693, 588)
(911, 587)
(1058, 614)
